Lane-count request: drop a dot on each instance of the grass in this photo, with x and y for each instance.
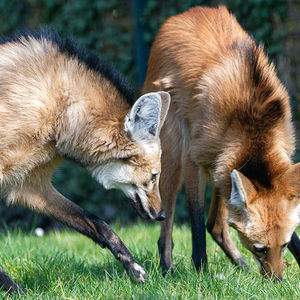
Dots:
(67, 265)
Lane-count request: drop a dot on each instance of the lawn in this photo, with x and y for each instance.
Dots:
(67, 265)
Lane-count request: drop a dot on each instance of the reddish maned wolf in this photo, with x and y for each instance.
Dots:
(229, 121)
(58, 101)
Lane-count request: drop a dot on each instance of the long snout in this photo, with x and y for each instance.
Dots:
(272, 270)
(160, 216)
(154, 204)
(146, 211)
(276, 276)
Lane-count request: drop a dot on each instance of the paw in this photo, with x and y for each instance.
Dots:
(136, 273)
(166, 270)
(200, 263)
(241, 263)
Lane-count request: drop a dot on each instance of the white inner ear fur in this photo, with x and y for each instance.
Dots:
(143, 120)
(237, 198)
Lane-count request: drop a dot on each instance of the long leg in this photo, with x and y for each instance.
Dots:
(294, 247)
(195, 184)
(218, 228)
(170, 182)
(48, 201)
(8, 284)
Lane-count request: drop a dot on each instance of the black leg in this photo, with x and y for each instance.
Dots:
(103, 235)
(217, 226)
(51, 203)
(294, 247)
(8, 284)
(199, 255)
(195, 181)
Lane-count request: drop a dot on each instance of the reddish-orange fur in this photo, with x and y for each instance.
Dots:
(228, 111)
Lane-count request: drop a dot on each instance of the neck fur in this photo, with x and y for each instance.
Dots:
(90, 127)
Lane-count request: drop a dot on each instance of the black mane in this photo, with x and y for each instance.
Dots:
(249, 52)
(72, 48)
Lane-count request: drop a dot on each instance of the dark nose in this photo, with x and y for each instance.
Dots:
(161, 216)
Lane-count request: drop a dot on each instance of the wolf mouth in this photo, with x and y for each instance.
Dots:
(138, 206)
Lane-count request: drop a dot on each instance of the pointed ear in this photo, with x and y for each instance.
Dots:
(241, 189)
(292, 176)
(165, 105)
(143, 122)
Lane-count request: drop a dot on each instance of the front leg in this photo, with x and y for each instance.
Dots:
(195, 184)
(8, 284)
(50, 202)
(103, 235)
(217, 226)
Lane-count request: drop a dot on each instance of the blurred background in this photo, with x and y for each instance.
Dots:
(122, 32)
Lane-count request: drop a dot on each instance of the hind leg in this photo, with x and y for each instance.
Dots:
(170, 182)
(218, 228)
(195, 184)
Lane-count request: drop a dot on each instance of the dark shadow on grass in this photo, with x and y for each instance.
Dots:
(67, 268)
(40, 274)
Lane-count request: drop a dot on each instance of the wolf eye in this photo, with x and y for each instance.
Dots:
(260, 250)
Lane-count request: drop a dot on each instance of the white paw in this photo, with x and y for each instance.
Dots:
(137, 273)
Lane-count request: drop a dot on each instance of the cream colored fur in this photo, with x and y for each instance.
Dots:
(53, 106)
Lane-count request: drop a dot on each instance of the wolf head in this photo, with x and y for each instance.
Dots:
(266, 218)
(137, 175)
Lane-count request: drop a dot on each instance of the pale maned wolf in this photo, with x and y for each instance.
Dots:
(58, 101)
(229, 121)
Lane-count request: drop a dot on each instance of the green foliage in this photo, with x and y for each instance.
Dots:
(66, 265)
(261, 19)
(107, 28)
(103, 26)
(162, 10)
(258, 17)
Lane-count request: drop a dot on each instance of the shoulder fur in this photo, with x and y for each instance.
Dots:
(70, 47)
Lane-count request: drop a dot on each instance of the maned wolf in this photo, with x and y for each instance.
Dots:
(229, 121)
(57, 101)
